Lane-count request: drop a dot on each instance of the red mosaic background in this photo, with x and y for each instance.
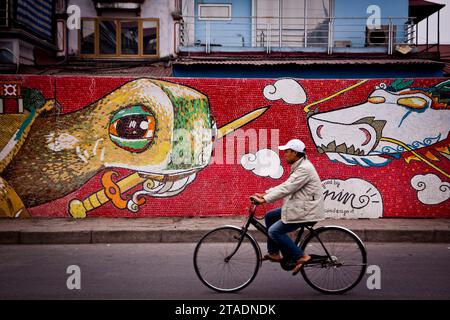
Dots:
(224, 189)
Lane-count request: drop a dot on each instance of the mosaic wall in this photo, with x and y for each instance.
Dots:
(139, 147)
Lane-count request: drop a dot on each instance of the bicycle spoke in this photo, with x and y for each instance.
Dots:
(347, 264)
(231, 275)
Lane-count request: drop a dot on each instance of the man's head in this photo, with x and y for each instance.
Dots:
(294, 150)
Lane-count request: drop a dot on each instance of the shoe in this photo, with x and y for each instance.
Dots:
(300, 262)
(272, 257)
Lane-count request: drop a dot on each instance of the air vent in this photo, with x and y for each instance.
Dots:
(379, 36)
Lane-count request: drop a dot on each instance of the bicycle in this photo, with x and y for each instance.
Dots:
(228, 258)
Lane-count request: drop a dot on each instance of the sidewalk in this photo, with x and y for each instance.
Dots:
(191, 229)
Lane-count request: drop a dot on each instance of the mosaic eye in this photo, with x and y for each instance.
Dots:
(413, 102)
(376, 99)
(133, 128)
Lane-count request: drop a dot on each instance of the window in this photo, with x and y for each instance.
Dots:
(87, 37)
(129, 37)
(106, 37)
(150, 35)
(214, 12)
(292, 23)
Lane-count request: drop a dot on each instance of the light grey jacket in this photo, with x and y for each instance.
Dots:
(302, 193)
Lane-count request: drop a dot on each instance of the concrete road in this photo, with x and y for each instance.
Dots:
(165, 271)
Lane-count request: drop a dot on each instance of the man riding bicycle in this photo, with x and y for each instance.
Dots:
(302, 195)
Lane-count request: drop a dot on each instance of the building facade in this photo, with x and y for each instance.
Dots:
(176, 108)
(304, 39)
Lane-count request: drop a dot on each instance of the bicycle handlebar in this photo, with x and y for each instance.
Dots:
(254, 200)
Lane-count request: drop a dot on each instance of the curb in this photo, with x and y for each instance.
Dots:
(193, 236)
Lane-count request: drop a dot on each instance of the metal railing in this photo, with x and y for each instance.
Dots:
(314, 34)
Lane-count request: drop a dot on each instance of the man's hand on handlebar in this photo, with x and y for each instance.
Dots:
(257, 198)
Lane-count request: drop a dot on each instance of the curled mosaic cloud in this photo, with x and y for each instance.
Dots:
(289, 90)
(264, 163)
(430, 188)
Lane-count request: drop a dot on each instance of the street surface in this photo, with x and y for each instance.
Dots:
(165, 271)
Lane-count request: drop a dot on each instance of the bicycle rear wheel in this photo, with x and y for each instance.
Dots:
(341, 266)
(225, 264)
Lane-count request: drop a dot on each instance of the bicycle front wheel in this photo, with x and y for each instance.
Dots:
(339, 260)
(226, 260)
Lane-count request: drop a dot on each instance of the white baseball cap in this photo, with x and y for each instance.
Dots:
(294, 144)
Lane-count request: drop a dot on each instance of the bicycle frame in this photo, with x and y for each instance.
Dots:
(251, 220)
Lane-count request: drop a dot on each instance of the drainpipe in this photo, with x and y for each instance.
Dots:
(438, 32)
(66, 42)
(280, 22)
(417, 34)
(175, 47)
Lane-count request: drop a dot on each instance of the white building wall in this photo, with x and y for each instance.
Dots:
(162, 10)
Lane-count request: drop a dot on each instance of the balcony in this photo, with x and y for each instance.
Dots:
(266, 35)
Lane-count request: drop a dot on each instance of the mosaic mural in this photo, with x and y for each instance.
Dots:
(127, 147)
